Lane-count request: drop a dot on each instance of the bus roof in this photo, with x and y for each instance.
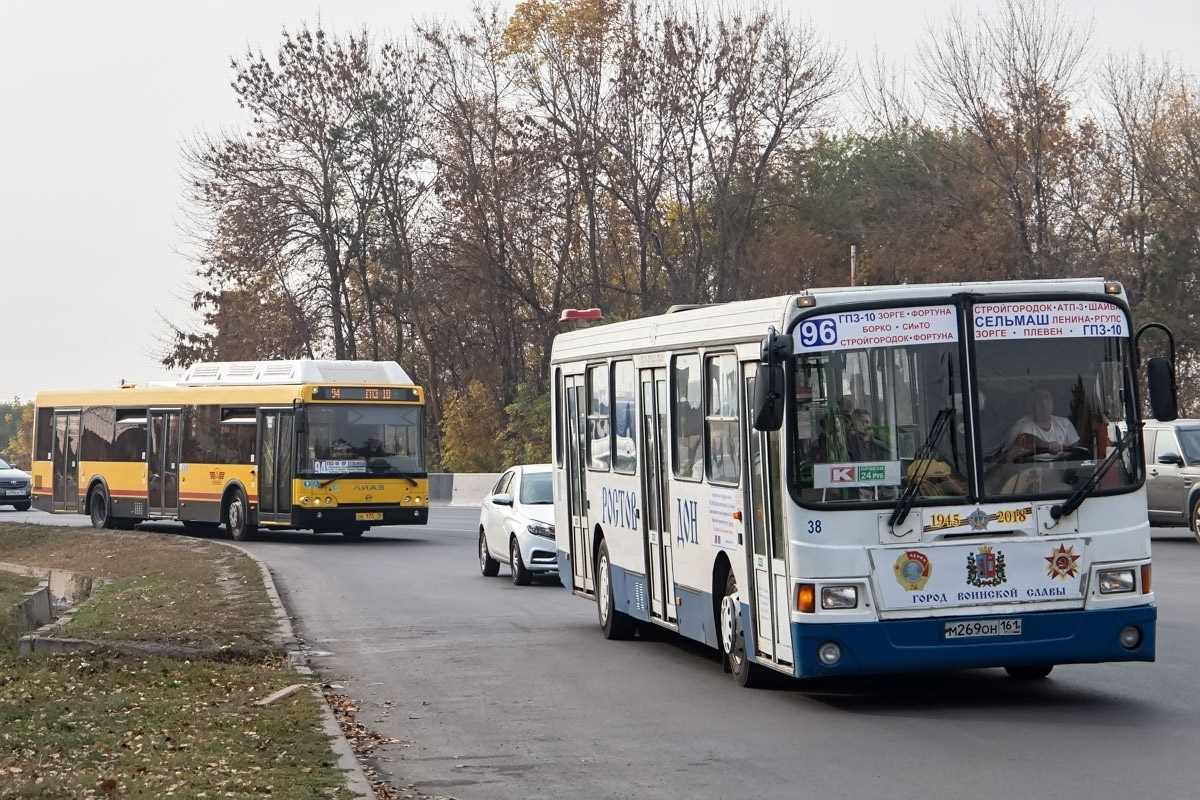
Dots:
(747, 320)
(241, 373)
(238, 382)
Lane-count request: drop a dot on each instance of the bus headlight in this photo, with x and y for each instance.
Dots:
(839, 597)
(1116, 581)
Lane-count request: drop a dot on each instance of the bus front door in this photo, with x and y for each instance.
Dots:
(655, 521)
(772, 610)
(66, 462)
(162, 463)
(575, 393)
(276, 445)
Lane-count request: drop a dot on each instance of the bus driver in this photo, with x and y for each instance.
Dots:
(1040, 430)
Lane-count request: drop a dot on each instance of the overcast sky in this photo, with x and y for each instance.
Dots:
(98, 98)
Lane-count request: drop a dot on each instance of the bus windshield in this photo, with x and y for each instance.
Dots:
(1055, 397)
(868, 419)
(370, 439)
(878, 411)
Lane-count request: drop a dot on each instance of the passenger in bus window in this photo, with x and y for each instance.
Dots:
(862, 444)
(373, 449)
(1041, 431)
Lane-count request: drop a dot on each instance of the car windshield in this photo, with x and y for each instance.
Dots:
(536, 489)
(1189, 440)
(4, 464)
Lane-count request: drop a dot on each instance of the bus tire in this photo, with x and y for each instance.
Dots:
(488, 566)
(733, 638)
(237, 517)
(1029, 672)
(99, 509)
(520, 575)
(615, 624)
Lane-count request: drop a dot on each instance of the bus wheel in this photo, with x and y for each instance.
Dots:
(489, 566)
(615, 624)
(353, 533)
(1029, 672)
(237, 518)
(520, 575)
(733, 638)
(99, 510)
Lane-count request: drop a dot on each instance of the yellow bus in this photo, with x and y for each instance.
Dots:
(265, 445)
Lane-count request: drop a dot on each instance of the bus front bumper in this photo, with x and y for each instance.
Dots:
(919, 645)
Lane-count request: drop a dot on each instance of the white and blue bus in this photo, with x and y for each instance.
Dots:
(865, 480)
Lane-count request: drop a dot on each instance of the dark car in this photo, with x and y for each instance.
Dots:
(15, 487)
(1173, 473)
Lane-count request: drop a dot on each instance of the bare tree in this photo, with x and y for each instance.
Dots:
(1010, 81)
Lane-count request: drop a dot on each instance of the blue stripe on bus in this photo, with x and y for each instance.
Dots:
(1047, 637)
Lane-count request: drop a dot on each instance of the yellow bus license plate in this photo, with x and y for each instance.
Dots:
(368, 515)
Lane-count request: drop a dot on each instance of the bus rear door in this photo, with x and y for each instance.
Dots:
(66, 461)
(654, 519)
(162, 463)
(575, 394)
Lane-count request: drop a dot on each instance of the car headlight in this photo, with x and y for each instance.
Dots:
(541, 529)
(1116, 581)
(839, 597)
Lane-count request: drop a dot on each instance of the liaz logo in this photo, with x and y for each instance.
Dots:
(217, 475)
(369, 487)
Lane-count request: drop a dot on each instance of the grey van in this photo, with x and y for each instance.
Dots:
(1173, 473)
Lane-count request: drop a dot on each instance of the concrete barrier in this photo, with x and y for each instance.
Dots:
(460, 488)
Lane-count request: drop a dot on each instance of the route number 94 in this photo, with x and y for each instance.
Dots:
(818, 332)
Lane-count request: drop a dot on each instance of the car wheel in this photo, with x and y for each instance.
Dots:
(1195, 518)
(1029, 672)
(615, 624)
(237, 518)
(733, 638)
(22, 506)
(520, 575)
(489, 566)
(99, 510)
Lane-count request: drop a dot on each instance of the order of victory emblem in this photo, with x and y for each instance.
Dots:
(912, 570)
(1063, 563)
(985, 567)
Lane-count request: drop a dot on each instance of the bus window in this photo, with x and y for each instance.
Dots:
(688, 418)
(599, 429)
(721, 420)
(624, 417)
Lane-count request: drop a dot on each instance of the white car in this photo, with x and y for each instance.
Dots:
(15, 488)
(516, 525)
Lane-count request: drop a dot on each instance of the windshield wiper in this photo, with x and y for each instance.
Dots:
(1085, 491)
(390, 470)
(922, 458)
(338, 477)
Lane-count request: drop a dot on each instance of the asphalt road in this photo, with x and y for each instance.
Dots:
(496, 691)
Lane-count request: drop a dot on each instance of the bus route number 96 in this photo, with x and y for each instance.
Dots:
(818, 332)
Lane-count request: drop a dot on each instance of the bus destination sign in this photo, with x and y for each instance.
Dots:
(379, 393)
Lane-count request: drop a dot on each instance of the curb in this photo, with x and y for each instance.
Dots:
(356, 778)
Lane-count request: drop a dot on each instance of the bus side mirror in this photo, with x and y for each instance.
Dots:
(768, 397)
(1160, 378)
